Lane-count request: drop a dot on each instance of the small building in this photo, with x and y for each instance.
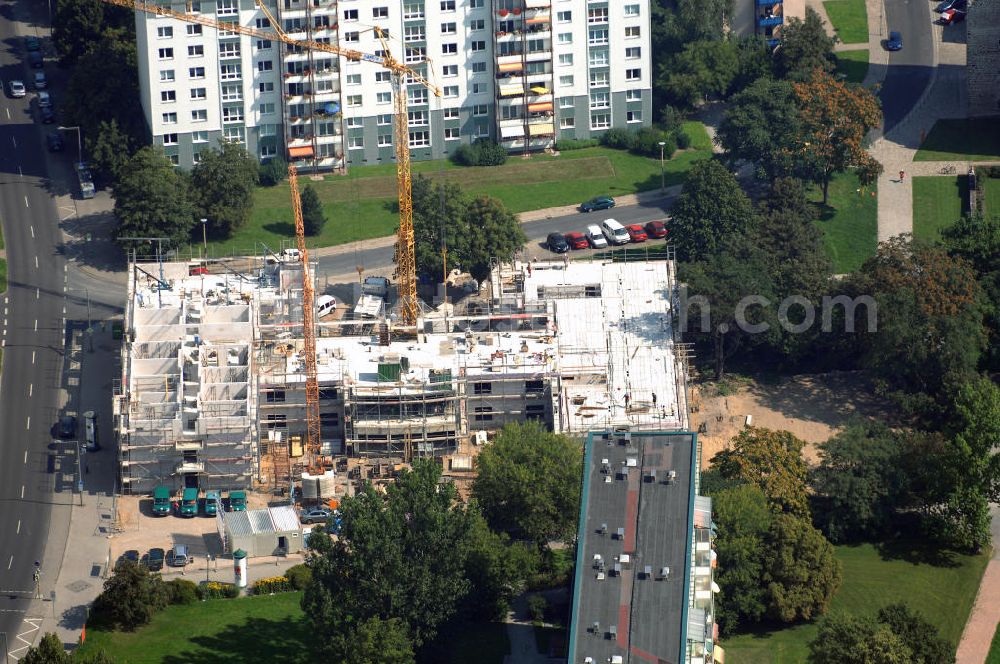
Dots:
(268, 532)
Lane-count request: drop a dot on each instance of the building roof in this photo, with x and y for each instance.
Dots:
(638, 518)
(281, 519)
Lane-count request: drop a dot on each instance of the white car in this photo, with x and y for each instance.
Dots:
(17, 89)
(325, 304)
(596, 237)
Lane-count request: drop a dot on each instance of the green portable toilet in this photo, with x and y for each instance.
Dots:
(161, 501)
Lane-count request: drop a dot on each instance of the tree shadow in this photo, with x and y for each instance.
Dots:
(280, 228)
(917, 553)
(831, 398)
(255, 640)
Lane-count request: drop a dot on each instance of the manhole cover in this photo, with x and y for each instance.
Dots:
(78, 586)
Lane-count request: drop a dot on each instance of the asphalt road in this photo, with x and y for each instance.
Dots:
(910, 68)
(33, 335)
(381, 257)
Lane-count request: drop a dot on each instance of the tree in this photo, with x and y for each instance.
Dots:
(930, 333)
(400, 554)
(438, 212)
(703, 70)
(78, 24)
(130, 597)
(498, 570)
(858, 483)
(717, 287)
(272, 172)
(761, 125)
(109, 151)
(312, 211)
(835, 117)
(846, 639)
(805, 47)
(528, 483)
(976, 239)
(152, 199)
(222, 188)
(743, 519)
(49, 650)
(490, 231)
(801, 572)
(922, 638)
(377, 641)
(711, 208)
(772, 461)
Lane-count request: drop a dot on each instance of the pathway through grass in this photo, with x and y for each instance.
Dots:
(942, 588)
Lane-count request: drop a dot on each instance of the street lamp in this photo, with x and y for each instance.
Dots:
(79, 142)
(663, 183)
(204, 236)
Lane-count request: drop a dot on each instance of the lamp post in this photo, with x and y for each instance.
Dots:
(79, 142)
(204, 236)
(663, 183)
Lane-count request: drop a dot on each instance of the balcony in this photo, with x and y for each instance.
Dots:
(188, 446)
(769, 21)
(768, 3)
(185, 467)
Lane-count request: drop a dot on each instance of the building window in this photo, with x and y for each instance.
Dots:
(274, 396)
(196, 158)
(262, 23)
(565, 37)
(476, 4)
(381, 98)
(197, 50)
(567, 122)
(170, 139)
(633, 116)
(354, 79)
(354, 100)
(633, 95)
(174, 159)
(633, 74)
(534, 386)
(327, 393)
(275, 421)
(413, 10)
(447, 5)
(450, 91)
(232, 114)
(326, 129)
(632, 32)
(166, 54)
(168, 96)
(599, 79)
(600, 120)
(415, 55)
(565, 59)
(263, 44)
(267, 151)
(597, 38)
(477, 24)
(631, 10)
(565, 102)
(478, 88)
(451, 114)
(449, 49)
(535, 411)
(265, 65)
(196, 72)
(164, 32)
(267, 108)
(384, 140)
(449, 71)
(478, 46)
(199, 137)
(198, 93)
(229, 72)
(566, 81)
(417, 119)
(350, 14)
(564, 17)
(194, 30)
(449, 29)
(599, 58)
(482, 388)
(484, 414)
(599, 15)
(265, 87)
(600, 100)
(169, 118)
(451, 134)
(633, 53)
(384, 120)
(355, 142)
(232, 92)
(352, 36)
(167, 76)
(269, 129)
(383, 77)
(478, 67)
(234, 134)
(480, 110)
(355, 122)
(380, 12)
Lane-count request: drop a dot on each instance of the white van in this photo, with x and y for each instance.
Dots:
(90, 427)
(614, 231)
(325, 304)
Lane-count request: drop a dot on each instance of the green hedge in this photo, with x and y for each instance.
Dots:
(576, 144)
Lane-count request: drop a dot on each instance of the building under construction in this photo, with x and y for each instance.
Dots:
(213, 387)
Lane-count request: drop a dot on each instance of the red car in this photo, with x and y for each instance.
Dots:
(636, 233)
(656, 229)
(577, 240)
(197, 271)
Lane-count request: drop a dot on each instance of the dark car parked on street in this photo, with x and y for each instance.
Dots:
(598, 203)
(67, 426)
(557, 243)
(656, 229)
(131, 556)
(950, 4)
(895, 41)
(154, 559)
(47, 115)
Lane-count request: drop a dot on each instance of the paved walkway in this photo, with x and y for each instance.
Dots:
(978, 634)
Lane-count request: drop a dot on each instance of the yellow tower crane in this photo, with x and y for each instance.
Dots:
(406, 273)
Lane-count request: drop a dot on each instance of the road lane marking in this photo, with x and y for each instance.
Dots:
(18, 527)
(31, 388)
(36, 325)
(27, 424)
(26, 456)
(11, 561)
(32, 231)
(32, 357)
(19, 171)
(26, 201)
(8, 113)
(22, 492)
(12, 139)
(36, 262)
(38, 293)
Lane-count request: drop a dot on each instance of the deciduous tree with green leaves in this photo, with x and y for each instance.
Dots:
(703, 70)
(490, 231)
(761, 125)
(152, 199)
(377, 641)
(743, 519)
(801, 572)
(130, 597)
(711, 208)
(835, 117)
(805, 47)
(222, 188)
(772, 461)
(528, 483)
(846, 639)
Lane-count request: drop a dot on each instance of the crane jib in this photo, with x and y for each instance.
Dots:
(372, 58)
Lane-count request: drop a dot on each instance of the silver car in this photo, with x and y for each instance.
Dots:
(40, 82)
(17, 89)
(179, 556)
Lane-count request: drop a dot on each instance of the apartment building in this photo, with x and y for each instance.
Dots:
(765, 18)
(524, 73)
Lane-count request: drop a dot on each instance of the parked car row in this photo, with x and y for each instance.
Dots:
(155, 558)
(190, 505)
(608, 232)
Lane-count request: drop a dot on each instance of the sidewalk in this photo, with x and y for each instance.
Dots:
(978, 634)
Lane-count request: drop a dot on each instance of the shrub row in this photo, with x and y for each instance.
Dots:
(271, 585)
(217, 590)
(483, 152)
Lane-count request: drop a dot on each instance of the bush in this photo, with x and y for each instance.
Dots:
(619, 139)
(671, 118)
(271, 585)
(577, 144)
(682, 139)
(272, 172)
(217, 590)
(299, 576)
(536, 608)
(130, 598)
(181, 591)
(483, 152)
(647, 141)
(993, 171)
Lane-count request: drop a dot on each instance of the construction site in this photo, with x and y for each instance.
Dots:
(213, 392)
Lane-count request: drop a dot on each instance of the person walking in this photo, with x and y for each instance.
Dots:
(902, 174)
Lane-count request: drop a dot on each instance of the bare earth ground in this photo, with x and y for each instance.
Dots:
(813, 407)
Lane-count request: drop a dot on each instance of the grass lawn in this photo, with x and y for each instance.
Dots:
(975, 139)
(849, 222)
(223, 631)
(943, 593)
(849, 19)
(994, 655)
(852, 64)
(991, 197)
(3, 276)
(362, 204)
(937, 204)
